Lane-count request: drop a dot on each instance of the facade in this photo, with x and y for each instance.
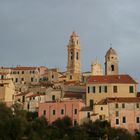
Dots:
(111, 62)
(25, 75)
(96, 68)
(74, 58)
(101, 87)
(7, 89)
(58, 109)
(120, 112)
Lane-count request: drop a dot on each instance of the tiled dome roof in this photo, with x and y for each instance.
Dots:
(111, 51)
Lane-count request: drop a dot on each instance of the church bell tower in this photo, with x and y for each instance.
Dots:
(111, 62)
(74, 60)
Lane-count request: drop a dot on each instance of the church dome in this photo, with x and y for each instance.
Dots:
(111, 51)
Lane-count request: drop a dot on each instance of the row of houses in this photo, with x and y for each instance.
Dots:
(83, 96)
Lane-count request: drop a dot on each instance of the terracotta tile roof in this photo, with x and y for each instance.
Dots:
(35, 95)
(3, 73)
(5, 68)
(24, 68)
(73, 95)
(119, 100)
(94, 114)
(80, 89)
(87, 108)
(63, 76)
(53, 70)
(64, 101)
(126, 79)
(22, 94)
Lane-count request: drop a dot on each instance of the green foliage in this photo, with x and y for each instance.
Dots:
(120, 134)
(65, 122)
(17, 124)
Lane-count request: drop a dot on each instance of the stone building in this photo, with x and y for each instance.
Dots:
(74, 58)
(111, 62)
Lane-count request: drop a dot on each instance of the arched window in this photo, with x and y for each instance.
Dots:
(77, 56)
(112, 68)
(71, 55)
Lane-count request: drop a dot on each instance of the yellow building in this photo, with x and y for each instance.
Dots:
(7, 89)
(24, 76)
(101, 87)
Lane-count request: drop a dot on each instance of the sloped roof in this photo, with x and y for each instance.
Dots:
(23, 68)
(119, 100)
(125, 79)
(73, 95)
(87, 108)
(111, 51)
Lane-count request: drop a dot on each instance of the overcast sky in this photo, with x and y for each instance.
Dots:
(36, 32)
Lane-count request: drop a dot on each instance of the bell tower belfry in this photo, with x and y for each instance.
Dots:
(74, 60)
(111, 62)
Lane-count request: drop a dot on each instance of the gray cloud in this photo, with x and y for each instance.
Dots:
(36, 32)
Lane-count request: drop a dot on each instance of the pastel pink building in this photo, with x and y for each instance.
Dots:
(121, 112)
(53, 110)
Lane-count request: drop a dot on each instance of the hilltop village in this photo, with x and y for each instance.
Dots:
(83, 96)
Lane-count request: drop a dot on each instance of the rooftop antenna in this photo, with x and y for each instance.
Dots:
(110, 45)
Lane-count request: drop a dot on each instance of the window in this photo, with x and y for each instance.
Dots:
(75, 122)
(53, 97)
(117, 121)
(52, 76)
(77, 42)
(137, 119)
(71, 55)
(115, 89)
(16, 80)
(117, 113)
(123, 119)
(44, 112)
(75, 111)
(137, 105)
(116, 105)
(32, 79)
(1, 85)
(70, 77)
(101, 108)
(93, 88)
(22, 79)
(2, 76)
(100, 117)
(88, 89)
(123, 105)
(23, 99)
(22, 72)
(28, 106)
(131, 89)
(77, 56)
(88, 114)
(91, 103)
(105, 89)
(102, 89)
(62, 111)
(53, 112)
(112, 68)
